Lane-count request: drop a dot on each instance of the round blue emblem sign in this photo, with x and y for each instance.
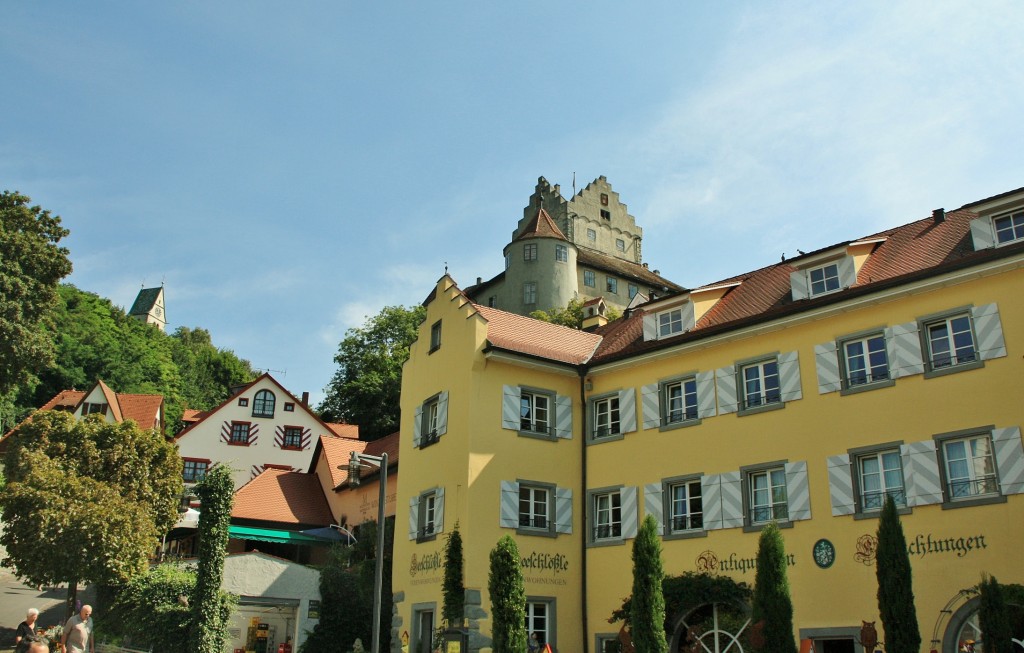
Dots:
(824, 553)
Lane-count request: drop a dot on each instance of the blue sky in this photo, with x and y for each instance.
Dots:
(289, 170)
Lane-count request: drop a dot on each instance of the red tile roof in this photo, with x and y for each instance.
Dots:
(526, 335)
(621, 267)
(541, 226)
(344, 430)
(141, 408)
(67, 399)
(283, 497)
(337, 452)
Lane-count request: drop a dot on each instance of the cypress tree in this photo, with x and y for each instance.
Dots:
(647, 611)
(209, 625)
(508, 598)
(453, 590)
(994, 617)
(772, 604)
(895, 585)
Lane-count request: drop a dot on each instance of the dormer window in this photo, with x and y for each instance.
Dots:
(824, 279)
(1009, 227)
(670, 322)
(668, 318)
(89, 409)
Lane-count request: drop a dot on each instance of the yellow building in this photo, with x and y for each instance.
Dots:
(804, 393)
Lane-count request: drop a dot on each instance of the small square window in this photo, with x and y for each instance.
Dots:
(289, 407)
(670, 322)
(589, 278)
(604, 199)
(561, 253)
(824, 279)
(612, 285)
(530, 252)
(607, 511)
(950, 341)
(243, 401)
(760, 384)
(194, 470)
(606, 214)
(620, 244)
(435, 336)
(685, 507)
(1009, 227)
(240, 433)
(292, 438)
(591, 235)
(530, 292)
(767, 496)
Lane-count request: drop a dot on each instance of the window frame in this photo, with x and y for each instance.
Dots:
(611, 284)
(561, 253)
(549, 502)
(285, 435)
(236, 425)
(632, 290)
(620, 245)
(1012, 216)
(591, 234)
(668, 509)
(827, 277)
(595, 404)
(591, 277)
(427, 498)
(664, 402)
(93, 408)
(925, 324)
(186, 478)
(243, 402)
(529, 251)
(671, 315)
(613, 494)
(747, 473)
(847, 387)
(534, 393)
(745, 407)
(435, 337)
(942, 458)
(260, 404)
(857, 455)
(550, 631)
(289, 407)
(431, 414)
(530, 293)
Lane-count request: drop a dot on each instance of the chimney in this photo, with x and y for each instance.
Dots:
(939, 216)
(305, 399)
(479, 280)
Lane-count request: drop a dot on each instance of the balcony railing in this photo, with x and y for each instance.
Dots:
(762, 514)
(607, 531)
(966, 488)
(533, 522)
(875, 500)
(687, 523)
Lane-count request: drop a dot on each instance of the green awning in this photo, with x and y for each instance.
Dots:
(271, 535)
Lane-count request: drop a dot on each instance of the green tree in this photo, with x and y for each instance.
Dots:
(149, 610)
(31, 266)
(365, 389)
(647, 611)
(508, 598)
(453, 589)
(86, 501)
(209, 628)
(772, 605)
(895, 585)
(207, 373)
(994, 617)
(570, 316)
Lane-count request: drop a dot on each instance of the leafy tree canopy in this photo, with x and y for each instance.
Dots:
(689, 590)
(570, 316)
(366, 387)
(86, 500)
(31, 266)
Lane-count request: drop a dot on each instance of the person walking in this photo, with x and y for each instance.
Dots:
(26, 631)
(77, 637)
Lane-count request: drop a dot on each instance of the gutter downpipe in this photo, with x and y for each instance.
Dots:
(582, 370)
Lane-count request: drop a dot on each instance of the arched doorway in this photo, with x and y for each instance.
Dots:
(712, 628)
(963, 633)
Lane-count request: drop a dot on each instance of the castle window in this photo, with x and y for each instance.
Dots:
(607, 215)
(620, 244)
(591, 235)
(589, 278)
(633, 290)
(612, 285)
(561, 253)
(530, 252)
(604, 199)
(530, 292)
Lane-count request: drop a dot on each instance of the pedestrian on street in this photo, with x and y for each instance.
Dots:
(77, 637)
(37, 647)
(26, 629)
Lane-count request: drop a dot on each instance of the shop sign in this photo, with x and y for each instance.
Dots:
(922, 545)
(314, 609)
(544, 568)
(709, 561)
(426, 567)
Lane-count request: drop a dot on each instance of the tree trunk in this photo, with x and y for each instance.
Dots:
(69, 604)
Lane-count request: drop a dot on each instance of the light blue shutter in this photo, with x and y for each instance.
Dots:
(508, 515)
(649, 396)
(510, 395)
(439, 510)
(629, 511)
(904, 345)
(732, 500)
(840, 485)
(982, 234)
(725, 382)
(417, 426)
(650, 327)
(798, 280)
(705, 394)
(826, 360)
(921, 473)
(711, 501)
(627, 410)
(563, 417)
(653, 505)
(563, 510)
(798, 491)
(989, 331)
(847, 272)
(789, 376)
(1009, 455)
(414, 517)
(442, 414)
(688, 315)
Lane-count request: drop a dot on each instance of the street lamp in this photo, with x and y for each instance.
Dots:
(355, 463)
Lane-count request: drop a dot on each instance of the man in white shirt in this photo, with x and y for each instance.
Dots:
(77, 637)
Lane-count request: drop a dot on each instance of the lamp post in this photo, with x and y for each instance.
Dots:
(356, 462)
